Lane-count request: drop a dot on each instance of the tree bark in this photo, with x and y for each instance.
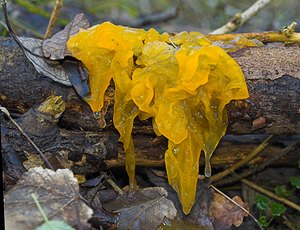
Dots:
(88, 145)
(90, 152)
(272, 74)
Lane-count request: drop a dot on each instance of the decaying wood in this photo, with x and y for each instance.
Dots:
(88, 145)
(272, 73)
(90, 152)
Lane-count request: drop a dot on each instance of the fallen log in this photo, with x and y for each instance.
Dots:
(272, 74)
(88, 153)
(89, 145)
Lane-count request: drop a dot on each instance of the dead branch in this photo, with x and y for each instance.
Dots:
(240, 18)
(272, 74)
(265, 37)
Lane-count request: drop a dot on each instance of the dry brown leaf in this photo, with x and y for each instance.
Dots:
(66, 72)
(145, 209)
(78, 76)
(55, 47)
(57, 194)
(226, 213)
(48, 68)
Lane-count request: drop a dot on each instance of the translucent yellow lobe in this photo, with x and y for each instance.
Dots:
(182, 82)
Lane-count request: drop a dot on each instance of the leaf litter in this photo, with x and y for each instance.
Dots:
(226, 213)
(48, 68)
(55, 47)
(58, 194)
(145, 209)
(48, 56)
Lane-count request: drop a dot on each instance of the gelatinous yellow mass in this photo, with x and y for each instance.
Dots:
(237, 43)
(182, 82)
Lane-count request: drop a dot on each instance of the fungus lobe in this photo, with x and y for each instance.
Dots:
(181, 82)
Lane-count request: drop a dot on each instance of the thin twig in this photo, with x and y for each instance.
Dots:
(289, 30)
(248, 172)
(290, 224)
(53, 18)
(271, 195)
(5, 111)
(228, 171)
(231, 200)
(265, 37)
(115, 187)
(240, 18)
(12, 34)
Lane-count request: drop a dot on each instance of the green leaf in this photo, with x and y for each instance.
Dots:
(277, 209)
(281, 191)
(55, 225)
(262, 202)
(295, 181)
(263, 221)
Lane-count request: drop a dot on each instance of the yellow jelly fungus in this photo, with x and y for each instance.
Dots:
(238, 43)
(182, 82)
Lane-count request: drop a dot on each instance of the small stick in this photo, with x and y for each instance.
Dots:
(115, 187)
(271, 195)
(265, 37)
(228, 171)
(11, 32)
(250, 171)
(231, 200)
(289, 30)
(5, 111)
(240, 18)
(53, 18)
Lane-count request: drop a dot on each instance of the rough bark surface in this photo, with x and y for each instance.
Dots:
(91, 145)
(90, 152)
(272, 73)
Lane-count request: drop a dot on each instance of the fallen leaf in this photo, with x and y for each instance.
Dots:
(67, 72)
(57, 194)
(78, 76)
(199, 216)
(55, 47)
(226, 213)
(145, 209)
(48, 68)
